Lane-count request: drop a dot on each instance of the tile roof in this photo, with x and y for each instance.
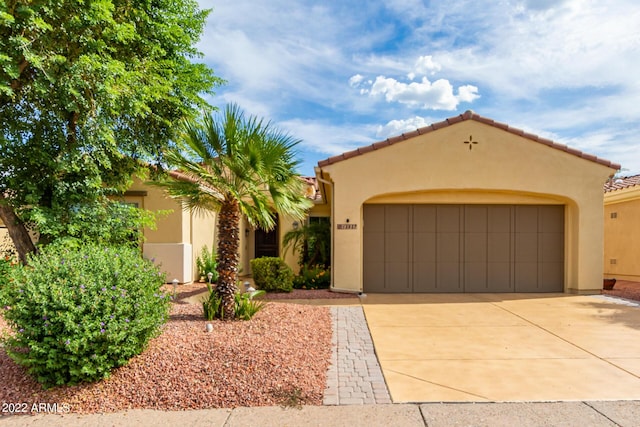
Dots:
(314, 189)
(467, 115)
(619, 183)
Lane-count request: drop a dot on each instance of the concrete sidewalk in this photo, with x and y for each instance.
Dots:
(583, 414)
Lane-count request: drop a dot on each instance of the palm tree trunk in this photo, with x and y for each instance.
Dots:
(228, 238)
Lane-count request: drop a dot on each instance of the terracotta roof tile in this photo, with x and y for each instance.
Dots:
(619, 183)
(467, 115)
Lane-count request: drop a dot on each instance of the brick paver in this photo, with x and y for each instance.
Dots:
(354, 377)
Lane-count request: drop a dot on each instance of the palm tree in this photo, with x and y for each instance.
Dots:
(312, 241)
(235, 165)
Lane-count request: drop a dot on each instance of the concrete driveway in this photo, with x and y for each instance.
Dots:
(505, 347)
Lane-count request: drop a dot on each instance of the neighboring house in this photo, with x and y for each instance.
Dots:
(466, 205)
(622, 228)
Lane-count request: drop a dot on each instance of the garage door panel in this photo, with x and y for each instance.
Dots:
(526, 277)
(448, 218)
(526, 247)
(552, 277)
(499, 219)
(526, 219)
(475, 277)
(551, 219)
(374, 277)
(448, 247)
(374, 218)
(499, 247)
(499, 277)
(374, 247)
(475, 247)
(424, 219)
(475, 219)
(396, 219)
(448, 277)
(424, 247)
(424, 277)
(396, 247)
(552, 247)
(396, 277)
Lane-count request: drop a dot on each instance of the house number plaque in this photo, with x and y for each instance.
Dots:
(347, 226)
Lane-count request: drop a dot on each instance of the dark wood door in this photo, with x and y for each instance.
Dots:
(267, 242)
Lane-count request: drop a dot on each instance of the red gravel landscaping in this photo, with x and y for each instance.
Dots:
(279, 357)
(625, 289)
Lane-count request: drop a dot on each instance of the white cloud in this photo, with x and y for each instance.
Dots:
(355, 81)
(398, 127)
(438, 95)
(521, 51)
(425, 65)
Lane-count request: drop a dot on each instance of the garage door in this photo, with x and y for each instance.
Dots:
(463, 248)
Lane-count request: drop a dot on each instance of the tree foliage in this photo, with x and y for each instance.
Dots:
(88, 89)
(236, 164)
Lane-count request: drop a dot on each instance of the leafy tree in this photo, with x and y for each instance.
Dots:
(236, 165)
(88, 89)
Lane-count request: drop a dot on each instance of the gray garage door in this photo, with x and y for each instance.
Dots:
(463, 248)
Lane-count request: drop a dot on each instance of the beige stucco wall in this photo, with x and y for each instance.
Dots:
(171, 243)
(203, 232)
(621, 234)
(502, 167)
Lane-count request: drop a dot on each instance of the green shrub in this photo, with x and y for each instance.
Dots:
(272, 274)
(5, 268)
(312, 277)
(78, 313)
(206, 263)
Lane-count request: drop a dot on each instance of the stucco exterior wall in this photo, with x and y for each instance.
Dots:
(438, 167)
(170, 244)
(203, 232)
(621, 234)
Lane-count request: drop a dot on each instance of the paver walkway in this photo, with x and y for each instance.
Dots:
(354, 377)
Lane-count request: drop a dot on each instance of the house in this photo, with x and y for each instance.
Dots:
(622, 228)
(466, 205)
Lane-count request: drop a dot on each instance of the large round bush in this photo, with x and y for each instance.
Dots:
(78, 313)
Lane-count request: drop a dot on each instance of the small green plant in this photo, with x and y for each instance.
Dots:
(206, 263)
(271, 274)
(77, 313)
(312, 277)
(211, 305)
(247, 306)
(290, 398)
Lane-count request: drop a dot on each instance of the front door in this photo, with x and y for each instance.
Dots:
(267, 242)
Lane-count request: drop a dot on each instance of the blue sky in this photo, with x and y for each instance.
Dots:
(340, 74)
